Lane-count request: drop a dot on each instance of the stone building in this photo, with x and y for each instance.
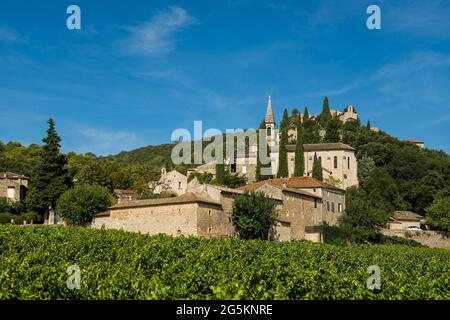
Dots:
(205, 211)
(172, 181)
(13, 186)
(401, 220)
(338, 162)
(124, 195)
(332, 198)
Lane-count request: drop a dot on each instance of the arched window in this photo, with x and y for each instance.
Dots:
(348, 162)
(335, 162)
(269, 131)
(320, 160)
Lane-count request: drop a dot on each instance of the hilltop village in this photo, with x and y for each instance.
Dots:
(310, 174)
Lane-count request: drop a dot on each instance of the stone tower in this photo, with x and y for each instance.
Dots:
(270, 124)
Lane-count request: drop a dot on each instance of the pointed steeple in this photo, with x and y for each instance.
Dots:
(269, 114)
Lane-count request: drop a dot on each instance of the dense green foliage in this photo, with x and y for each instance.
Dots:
(299, 165)
(119, 265)
(282, 153)
(317, 171)
(253, 215)
(78, 205)
(50, 177)
(438, 213)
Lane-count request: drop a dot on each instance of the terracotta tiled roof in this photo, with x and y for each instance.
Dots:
(321, 147)
(294, 183)
(188, 197)
(407, 215)
(12, 175)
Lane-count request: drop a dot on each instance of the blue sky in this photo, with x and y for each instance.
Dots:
(137, 70)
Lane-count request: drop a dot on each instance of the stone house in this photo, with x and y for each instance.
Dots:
(332, 198)
(401, 220)
(338, 162)
(124, 195)
(172, 181)
(190, 214)
(13, 186)
(205, 211)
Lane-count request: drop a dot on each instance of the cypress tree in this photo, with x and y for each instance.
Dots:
(258, 177)
(305, 114)
(368, 124)
(332, 131)
(325, 116)
(299, 169)
(282, 155)
(317, 169)
(50, 178)
(285, 120)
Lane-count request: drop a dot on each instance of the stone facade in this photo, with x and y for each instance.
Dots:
(402, 220)
(189, 214)
(13, 186)
(172, 181)
(338, 161)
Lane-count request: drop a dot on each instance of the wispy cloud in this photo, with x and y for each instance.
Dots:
(106, 142)
(157, 36)
(10, 36)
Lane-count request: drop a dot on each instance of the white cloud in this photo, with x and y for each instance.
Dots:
(10, 36)
(157, 36)
(106, 142)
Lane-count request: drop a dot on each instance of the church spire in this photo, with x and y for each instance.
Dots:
(269, 113)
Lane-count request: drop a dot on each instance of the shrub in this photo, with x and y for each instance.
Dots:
(438, 214)
(253, 215)
(78, 205)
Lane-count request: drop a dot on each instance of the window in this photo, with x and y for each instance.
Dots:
(11, 193)
(328, 205)
(315, 203)
(179, 184)
(348, 162)
(269, 131)
(332, 207)
(340, 207)
(320, 160)
(314, 189)
(335, 162)
(209, 213)
(210, 229)
(233, 167)
(244, 169)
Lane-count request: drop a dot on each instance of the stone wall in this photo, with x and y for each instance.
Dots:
(213, 222)
(428, 238)
(179, 219)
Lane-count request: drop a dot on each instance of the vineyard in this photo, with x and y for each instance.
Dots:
(120, 265)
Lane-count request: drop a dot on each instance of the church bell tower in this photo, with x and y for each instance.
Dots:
(270, 124)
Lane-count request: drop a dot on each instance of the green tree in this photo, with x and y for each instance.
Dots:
(365, 167)
(285, 120)
(258, 177)
(253, 215)
(78, 205)
(317, 168)
(282, 155)
(368, 124)
(361, 218)
(332, 130)
(438, 213)
(220, 173)
(325, 115)
(50, 178)
(299, 169)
